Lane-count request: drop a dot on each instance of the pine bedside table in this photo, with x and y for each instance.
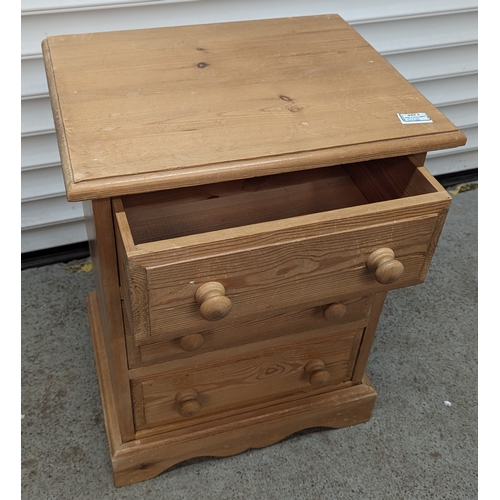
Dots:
(252, 190)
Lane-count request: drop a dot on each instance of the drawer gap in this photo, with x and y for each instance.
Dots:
(200, 209)
(382, 180)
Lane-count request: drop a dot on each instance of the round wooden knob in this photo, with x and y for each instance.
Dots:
(191, 342)
(318, 375)
(214, 305)
(387, 269)
(334, 311)
(189, 406)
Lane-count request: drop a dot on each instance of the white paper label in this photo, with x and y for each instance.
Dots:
(414, 118)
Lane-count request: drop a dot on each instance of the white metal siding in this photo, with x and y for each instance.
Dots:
(433, 44)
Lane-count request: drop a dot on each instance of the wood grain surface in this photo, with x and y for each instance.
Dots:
(262, 377)
(217, 338)
(152, 109)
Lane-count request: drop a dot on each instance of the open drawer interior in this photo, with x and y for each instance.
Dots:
(181, 212)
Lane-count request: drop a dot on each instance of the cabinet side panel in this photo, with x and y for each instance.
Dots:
(98, 216)
(368, 336)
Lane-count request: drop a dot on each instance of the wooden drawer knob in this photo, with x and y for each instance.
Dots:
(214, 305)
(387, 269)
(334, 311)
(191, 342)
(318, 375)
(189, 406)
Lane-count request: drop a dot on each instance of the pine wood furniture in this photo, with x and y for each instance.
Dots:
(250, 195)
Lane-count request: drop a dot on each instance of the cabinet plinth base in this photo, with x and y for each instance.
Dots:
(142, 459)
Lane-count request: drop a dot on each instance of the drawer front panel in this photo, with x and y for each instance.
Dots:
(351, 313)
(269, 278)
(259, 378)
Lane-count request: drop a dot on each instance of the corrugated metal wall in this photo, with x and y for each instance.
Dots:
(432, 43)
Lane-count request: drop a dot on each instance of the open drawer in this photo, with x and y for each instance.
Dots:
(227, 251)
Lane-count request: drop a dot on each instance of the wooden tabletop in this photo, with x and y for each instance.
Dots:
(154, 109)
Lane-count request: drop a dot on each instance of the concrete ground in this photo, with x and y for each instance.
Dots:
(421, 442)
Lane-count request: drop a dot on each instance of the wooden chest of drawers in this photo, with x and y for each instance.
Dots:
(251, 195)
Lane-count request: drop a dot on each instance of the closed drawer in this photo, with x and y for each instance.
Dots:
(233, 250)
(351, 313)
(259, 378)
